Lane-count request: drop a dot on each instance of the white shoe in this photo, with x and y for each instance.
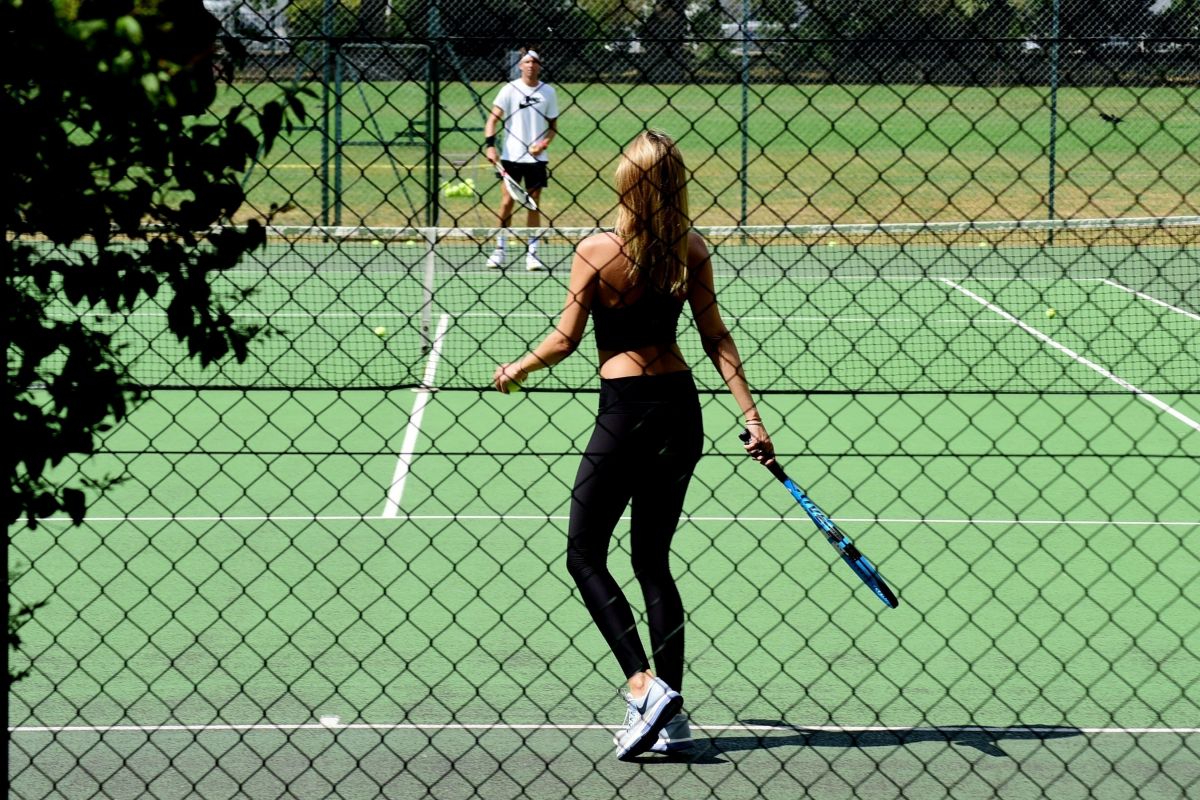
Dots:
(646, 717)
(676, 735)
(496, 259)
(533, 263)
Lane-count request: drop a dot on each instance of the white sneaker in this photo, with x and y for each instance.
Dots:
(533, 263)
(496, 259)
(676, 735)
(646, 717)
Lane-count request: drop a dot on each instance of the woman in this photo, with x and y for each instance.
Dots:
(648, 433)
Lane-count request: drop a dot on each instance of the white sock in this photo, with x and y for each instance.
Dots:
(533, 246)
(501, 240)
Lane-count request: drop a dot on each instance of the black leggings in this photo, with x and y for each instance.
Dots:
(644, 449)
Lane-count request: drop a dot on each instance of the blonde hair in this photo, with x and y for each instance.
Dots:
(652, 214)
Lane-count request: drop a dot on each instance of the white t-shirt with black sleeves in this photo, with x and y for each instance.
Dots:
(527, 111)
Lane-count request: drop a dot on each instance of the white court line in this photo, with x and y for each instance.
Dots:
(391, 506)
(1149, 398)
(897, 318)
(1117, 523)
(1145, 296)
(270, 314)
(403, 726)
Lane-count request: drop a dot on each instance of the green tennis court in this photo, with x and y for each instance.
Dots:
(393, 556)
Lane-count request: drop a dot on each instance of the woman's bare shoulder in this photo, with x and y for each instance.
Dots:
(697, 249)
(599, 249)
(601, 240)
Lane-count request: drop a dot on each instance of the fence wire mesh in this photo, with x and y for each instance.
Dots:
(958, 244)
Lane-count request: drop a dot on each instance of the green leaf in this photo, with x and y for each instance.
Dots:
(129, 29)
(270, 119)
(151, 85)
(74, 502)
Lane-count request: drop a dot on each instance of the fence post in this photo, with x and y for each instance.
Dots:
(1054, 51)
(745, 125)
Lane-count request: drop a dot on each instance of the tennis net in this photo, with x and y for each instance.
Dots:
(995, 307)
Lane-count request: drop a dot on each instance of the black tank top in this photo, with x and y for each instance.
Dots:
(649, 320)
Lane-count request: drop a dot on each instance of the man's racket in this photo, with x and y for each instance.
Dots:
(861, 565)
(515, 190)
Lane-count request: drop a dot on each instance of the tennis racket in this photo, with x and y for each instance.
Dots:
(515, 189)
(861, 565)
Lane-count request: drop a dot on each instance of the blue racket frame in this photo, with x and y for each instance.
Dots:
(860, 564)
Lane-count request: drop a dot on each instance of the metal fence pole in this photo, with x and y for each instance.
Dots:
(1054, 53)
(745, 123)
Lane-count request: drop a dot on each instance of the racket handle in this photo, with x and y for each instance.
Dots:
(774, 467)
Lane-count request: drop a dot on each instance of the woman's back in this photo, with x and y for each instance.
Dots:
(634, 321)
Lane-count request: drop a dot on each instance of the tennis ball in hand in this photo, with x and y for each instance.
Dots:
(514, 387)
(381, 331)
(1051, 313)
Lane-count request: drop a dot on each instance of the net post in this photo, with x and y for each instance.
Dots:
(429, 235)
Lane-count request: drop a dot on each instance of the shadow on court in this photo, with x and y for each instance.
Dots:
(984, 739)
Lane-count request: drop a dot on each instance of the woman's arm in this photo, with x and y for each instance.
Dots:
(720, 347)
(572, 322)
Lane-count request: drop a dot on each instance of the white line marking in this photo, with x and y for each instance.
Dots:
(365, 319)
(1149, 398)
(396, 490)
(403, 726)
(799, 517)
(272, 314)
(1145, 296)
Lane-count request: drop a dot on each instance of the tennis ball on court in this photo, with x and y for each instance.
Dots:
(380, 331)
(1051, 313)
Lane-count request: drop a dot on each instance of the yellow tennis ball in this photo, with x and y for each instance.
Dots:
(381, 331)
(514, 387)
(1051, 313)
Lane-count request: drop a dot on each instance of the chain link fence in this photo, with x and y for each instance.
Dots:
(959, 246)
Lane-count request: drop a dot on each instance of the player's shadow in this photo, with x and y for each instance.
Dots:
(986, 740)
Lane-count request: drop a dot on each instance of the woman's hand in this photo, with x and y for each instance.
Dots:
(508, 378)
(759, 447)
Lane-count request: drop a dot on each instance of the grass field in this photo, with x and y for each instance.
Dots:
(816, 153)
